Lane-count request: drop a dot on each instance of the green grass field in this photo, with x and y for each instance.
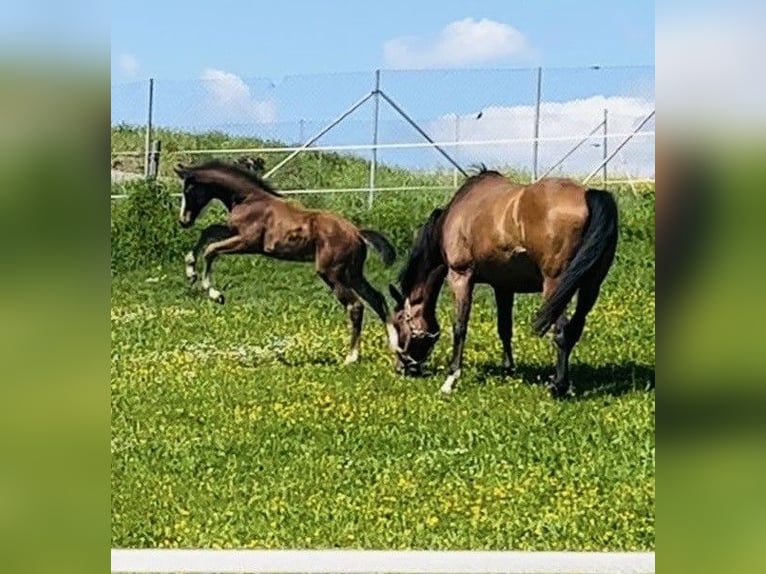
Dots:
(237, 426)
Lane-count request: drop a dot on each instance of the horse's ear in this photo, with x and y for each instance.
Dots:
(396, 295)
(181, 170)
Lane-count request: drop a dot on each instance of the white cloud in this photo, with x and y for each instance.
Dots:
(460, 43)
(575, 118)
(710, 73)
(129, 65)
(232, 99)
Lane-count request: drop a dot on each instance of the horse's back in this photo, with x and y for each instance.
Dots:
(508, 232)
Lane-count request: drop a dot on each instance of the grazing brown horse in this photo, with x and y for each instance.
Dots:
(261, 221)
(554, 236)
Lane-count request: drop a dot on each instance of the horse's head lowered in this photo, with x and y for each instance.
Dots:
(417, 332)
(415, 313)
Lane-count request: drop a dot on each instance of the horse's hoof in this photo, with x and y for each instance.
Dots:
(508, 370)
(559, 391)
(220, 299)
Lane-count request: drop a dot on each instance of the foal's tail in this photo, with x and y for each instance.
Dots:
(381, 244)
(596, 251)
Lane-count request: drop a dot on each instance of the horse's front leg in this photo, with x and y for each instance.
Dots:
(234, 244)
(461, 284)
(211, 233)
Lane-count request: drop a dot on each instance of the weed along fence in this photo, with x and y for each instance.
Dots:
(589, 123)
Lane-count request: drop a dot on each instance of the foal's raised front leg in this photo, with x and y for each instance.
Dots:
(232, 244)
(211, 233)
(462, 290)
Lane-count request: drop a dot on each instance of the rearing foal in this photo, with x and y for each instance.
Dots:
(554, 236)
(261, 221)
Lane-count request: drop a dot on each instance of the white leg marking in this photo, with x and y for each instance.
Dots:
(213, 293)
(191, 273)
(206, 282)
(352, 357)
(393, 338)
(449, 384)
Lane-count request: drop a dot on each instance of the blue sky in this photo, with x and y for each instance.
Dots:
(276, 38)
(278, 70)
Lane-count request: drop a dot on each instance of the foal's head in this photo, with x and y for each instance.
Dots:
(194, 198)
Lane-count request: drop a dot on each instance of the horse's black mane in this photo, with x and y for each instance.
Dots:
(237, 171)
(425, 254)
(426, 251)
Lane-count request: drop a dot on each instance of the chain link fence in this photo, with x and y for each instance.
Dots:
(584, 123)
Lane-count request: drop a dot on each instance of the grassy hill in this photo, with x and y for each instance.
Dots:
(308, 170)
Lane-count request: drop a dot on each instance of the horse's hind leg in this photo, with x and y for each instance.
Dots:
(504, 301)
(377, 301)
(567, 332)
(355, 310)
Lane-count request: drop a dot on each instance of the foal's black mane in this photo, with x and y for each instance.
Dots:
(237, 172)
(426, 250)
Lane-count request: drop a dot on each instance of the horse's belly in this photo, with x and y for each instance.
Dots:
(516, 272)
(293, 244)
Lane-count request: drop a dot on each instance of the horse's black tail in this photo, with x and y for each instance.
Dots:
(381, 244)
(596, 251)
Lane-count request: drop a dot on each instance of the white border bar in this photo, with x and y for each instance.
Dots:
(362, 561)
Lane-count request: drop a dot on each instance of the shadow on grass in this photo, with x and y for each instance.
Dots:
(587, 381)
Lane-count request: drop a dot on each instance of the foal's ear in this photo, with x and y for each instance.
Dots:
(181, 170)
(396, 295)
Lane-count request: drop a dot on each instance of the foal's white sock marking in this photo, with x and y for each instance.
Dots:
(393, 338)
(213, 293)
(450, 382)
(190, 261)
(206, 282)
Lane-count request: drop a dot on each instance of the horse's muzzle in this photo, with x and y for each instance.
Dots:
(407, 366)
(185, 223)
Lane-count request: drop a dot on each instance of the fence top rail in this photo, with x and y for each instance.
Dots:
(362, 561)
(377, 189)
(353, 147)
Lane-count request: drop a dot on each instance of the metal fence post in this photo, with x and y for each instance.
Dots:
(375, 120)
(603, 145)
(457, 148)
(536, 144)
(154, 159)
(148, 140)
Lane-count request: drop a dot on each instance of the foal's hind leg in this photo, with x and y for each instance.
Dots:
(355, 310)
(377, 301)
(208, 235)
(504, 301)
